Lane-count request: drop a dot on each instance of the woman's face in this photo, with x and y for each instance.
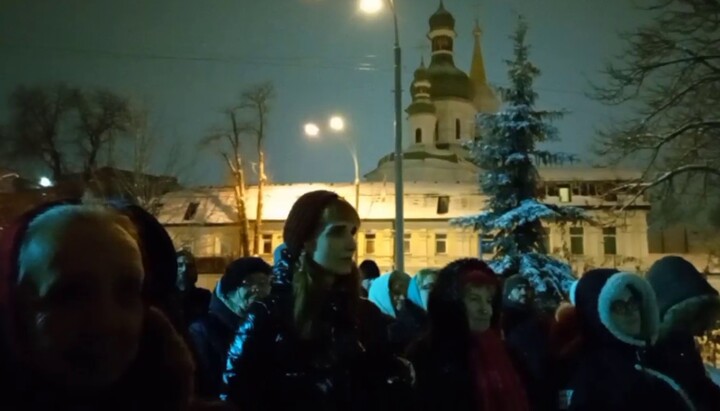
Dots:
(79, 305)
(625, 313)
(334, 248)
(478, 305)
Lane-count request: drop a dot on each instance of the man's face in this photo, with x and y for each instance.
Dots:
(334, 248)
(80, 304)
(186, 274)
(254, 287)
(478, 305)
(520, 294)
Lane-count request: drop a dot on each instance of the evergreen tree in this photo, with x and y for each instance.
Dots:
(507, 154)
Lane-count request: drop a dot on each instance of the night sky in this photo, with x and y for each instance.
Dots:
(188, 59)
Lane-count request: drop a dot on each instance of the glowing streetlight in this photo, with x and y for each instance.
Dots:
(312, 130)
(45, 182)
(371, 6)
(337, 123)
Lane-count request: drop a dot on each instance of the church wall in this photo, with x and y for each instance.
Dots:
(447, 112)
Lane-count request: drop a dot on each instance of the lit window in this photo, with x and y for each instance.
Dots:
(406, 242)
(577, 241)
(565, 194)
(369, 243)
(267, 245)
(610, 241)
(440, 243)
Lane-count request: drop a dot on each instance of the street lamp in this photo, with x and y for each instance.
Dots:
(337, 125)
(45, 182)
(374, 6)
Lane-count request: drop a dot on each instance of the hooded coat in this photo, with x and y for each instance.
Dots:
(612, 373)
(687, 304)
(408, 323)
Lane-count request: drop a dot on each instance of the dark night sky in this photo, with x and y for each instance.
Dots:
(187, 59)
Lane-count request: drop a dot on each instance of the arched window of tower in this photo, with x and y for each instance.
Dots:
(436, 137)
(418, 135)
(457, 129)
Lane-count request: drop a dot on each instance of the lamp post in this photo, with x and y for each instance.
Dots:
(337, 125)
(370, 7)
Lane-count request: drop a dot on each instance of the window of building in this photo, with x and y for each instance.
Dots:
(191, 210)
(418, 135)
(577, 241)
(610, 241)
(565, 194)
(369, 243)
(437, 131)
(457, 129)
(443, 204)
(267, 245)
(440, 243)
(406, 242)
(546, 239)
(486, 244)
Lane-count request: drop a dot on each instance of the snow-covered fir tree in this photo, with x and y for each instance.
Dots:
(507, 154)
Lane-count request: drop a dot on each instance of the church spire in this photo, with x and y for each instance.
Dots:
(485, 100)
(477, 68)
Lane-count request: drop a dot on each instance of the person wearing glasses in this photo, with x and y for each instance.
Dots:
(245, 280)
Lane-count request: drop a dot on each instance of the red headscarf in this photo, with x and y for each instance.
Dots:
(497, 385)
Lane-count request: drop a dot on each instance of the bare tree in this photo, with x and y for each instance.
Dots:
(103, 117)
(38, 115)
(229, 143)
(669, 75)
(256, 101)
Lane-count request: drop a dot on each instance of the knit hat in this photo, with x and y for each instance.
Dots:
(683, 294)
(303, 219)
(238, 270)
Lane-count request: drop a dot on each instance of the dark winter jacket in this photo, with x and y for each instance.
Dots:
(196, 302)
(211, 336)
(351, 367)
(688, 303)
(159, 379)
(612, 373)
(527, 337)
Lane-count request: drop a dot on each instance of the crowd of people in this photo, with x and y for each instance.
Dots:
(98, 311)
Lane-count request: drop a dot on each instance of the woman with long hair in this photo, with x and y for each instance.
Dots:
(314, 343)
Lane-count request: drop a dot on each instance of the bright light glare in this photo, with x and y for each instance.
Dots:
(371, 6)
(312, 130)
(45, 182)
(337, 123)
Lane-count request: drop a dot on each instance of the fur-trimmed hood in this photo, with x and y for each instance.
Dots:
(595, 293)
(161, 377)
